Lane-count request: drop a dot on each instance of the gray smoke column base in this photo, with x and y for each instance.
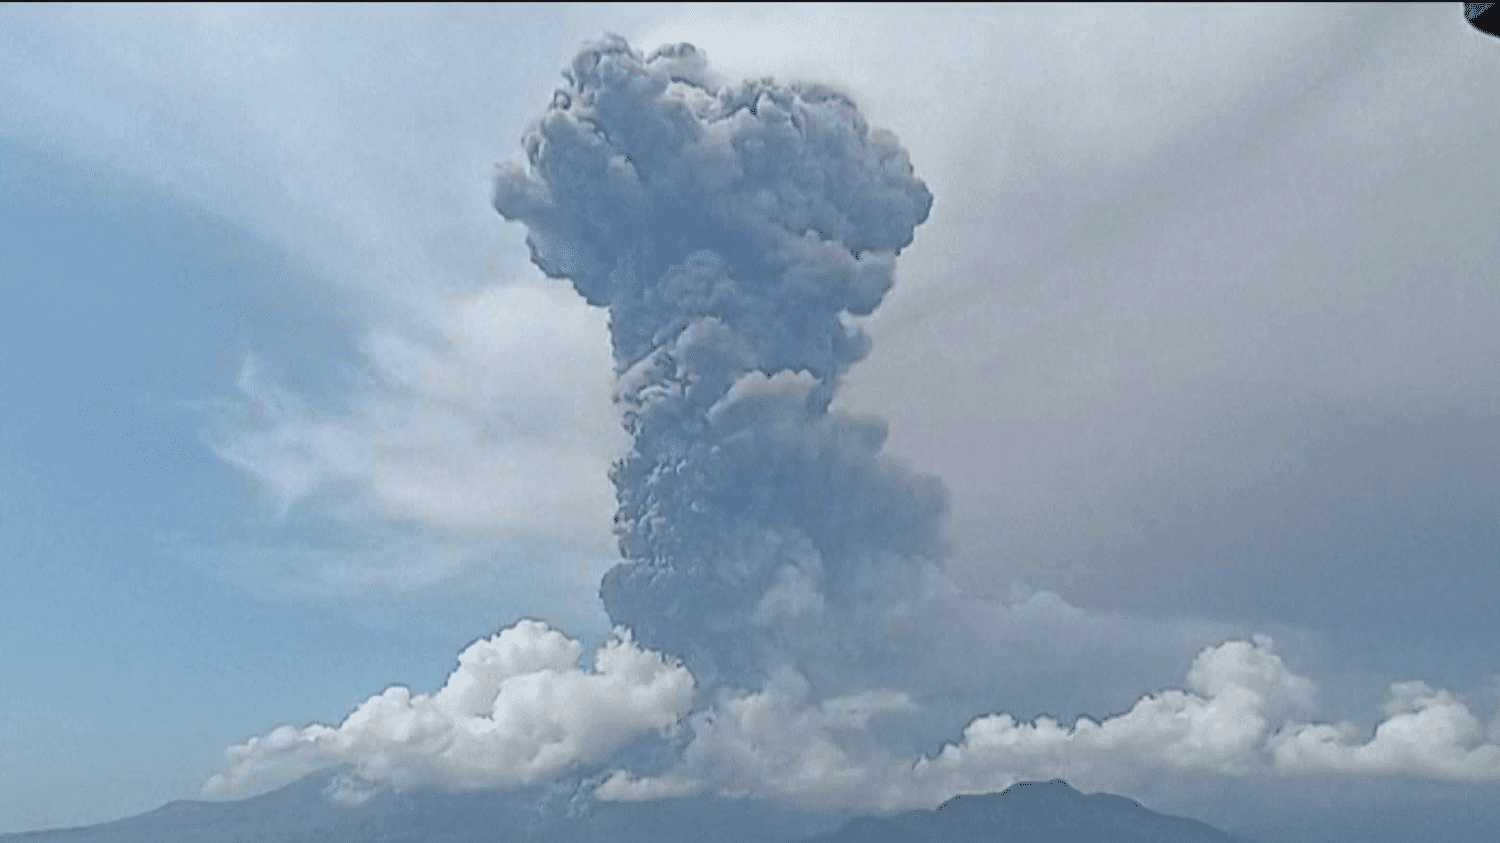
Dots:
(730, 231)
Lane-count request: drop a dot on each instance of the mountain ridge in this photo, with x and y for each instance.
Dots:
(304, 812)
(1050, 811)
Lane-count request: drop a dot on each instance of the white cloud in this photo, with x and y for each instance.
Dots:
(451, 430)
(464, 437)
(777, 742)
(1235, 718)
(1428, 733)
(958, 653)
(1240, 690)
(518, 709)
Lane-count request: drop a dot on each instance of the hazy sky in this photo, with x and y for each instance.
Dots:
(1199, 333)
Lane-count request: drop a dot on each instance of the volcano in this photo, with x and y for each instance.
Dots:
(311, 811)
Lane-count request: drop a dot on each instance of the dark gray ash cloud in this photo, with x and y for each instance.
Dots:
(731, 231)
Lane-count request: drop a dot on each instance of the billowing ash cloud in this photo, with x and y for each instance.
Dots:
(730, 232)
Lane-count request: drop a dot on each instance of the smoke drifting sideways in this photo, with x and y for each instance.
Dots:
(730, 232)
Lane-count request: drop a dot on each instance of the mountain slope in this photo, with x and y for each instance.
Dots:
(303, 812)
(1029, 812)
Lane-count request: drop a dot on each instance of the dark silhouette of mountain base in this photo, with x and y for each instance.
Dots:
(1029, 812)
(304, 812)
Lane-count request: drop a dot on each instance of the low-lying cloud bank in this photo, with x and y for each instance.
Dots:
(520, 709)
(517, 710)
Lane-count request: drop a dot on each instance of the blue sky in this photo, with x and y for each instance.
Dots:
(1199, 334)
(112, 332)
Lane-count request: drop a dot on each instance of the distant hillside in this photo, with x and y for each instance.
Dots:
(303, 813)
(1034, 812)
(1029, 812)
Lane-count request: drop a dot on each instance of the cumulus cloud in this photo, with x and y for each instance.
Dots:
(1238, 693)
(779, 742)
(517, 710)
(1237, 715)
(1427, 732)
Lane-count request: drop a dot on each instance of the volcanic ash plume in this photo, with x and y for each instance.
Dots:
(731, 231)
